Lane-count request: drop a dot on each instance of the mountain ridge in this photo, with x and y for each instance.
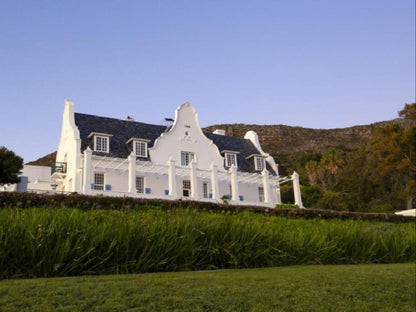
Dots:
(282, 140)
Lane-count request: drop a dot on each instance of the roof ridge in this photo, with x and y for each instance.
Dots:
(122, 120)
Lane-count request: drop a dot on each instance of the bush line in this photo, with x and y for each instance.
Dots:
(85, 202)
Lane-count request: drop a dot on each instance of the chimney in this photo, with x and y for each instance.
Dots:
(219, 131)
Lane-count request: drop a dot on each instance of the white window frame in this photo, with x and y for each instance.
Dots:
(230, 159)
(259, 163)
(142, 149)
(261, 194)
(187, 158)
(140, 184)
(97, 186)
(186, 186)
(99, 146)
(205, 190)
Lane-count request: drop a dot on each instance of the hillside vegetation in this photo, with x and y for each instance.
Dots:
(361, 168)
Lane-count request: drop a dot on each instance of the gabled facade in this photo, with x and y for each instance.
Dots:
(99, 155)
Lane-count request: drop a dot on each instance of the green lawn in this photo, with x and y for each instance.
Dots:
(364, 287)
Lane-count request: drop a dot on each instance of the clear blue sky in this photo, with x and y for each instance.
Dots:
(317, 64)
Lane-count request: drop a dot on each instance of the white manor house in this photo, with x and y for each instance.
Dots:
(113, 157)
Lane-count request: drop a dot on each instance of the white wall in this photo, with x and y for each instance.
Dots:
(186, 135)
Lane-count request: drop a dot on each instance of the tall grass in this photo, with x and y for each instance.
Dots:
(65, 242)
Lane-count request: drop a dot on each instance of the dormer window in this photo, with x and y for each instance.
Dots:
(101, 142)
(259, 163)
(139, 147)
(230, 158)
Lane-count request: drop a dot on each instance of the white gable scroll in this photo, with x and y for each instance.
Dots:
(186, 135)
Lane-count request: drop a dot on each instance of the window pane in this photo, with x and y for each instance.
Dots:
(186, 186)
(99, 181)
(140, 185)
(259, 163)
(141, 149)
(101, 144)
(186, 158)
(205, 190)
(230, 160)
(261, 194)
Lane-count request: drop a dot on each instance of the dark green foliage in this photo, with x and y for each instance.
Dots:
(382, 208)
(310, 195)
(286, 193)
(380, 176)
(66, 242)
(85, 202)
(10, 166)
(332, 200)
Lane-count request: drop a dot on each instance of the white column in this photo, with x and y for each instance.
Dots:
(214, 182)
(266, 185)
(296, 189)
(234, 184)
(132, 173)
(172, 177)
(278, 195)
(86, 186)
(194, 180)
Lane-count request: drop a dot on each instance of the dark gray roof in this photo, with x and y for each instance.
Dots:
(123, 130)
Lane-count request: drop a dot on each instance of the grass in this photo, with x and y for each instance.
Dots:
(67, 242)
(371, 287)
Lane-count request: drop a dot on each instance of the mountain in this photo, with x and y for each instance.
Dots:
(286, 141)
(296, 145)
(280, 139)
(47, 160)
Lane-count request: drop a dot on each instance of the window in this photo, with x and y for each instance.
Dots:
(230, 159)
(140, 148)
(187, 158)
(259, 163)
(98, 181)
(101, 143)
(205, 190)
(261, 194)
(186, 187)
(140, 185)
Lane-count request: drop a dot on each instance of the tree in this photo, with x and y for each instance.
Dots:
(383, 172)
(10, 166)
(323, 173)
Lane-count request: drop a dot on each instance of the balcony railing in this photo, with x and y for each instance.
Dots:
(58, 167)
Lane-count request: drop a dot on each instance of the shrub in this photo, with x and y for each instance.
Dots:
(332, 200)
(382, 208)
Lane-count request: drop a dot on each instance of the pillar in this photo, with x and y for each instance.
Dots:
(214, 182)
(296, 189)
(194, 180)
(234, 184)
(132, 173)
(266, 185)
(86, 186)
(278, 194)
(172, 177)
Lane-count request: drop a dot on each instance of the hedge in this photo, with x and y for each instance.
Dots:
(87, 202)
